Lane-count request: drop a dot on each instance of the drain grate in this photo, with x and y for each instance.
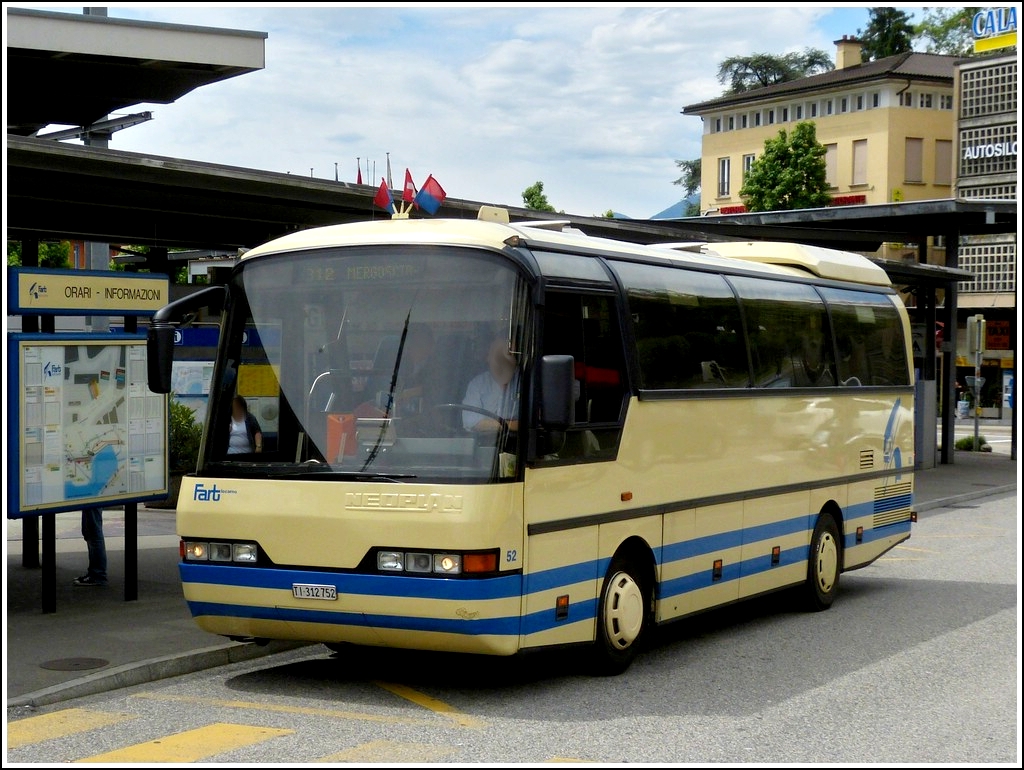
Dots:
(74, 664)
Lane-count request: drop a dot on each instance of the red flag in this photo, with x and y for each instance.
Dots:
(383, 198)
(359, 173)
(409, 191)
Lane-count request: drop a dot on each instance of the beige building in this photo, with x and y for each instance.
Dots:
(888, 128)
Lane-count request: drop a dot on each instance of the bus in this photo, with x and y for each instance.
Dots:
(487, 437)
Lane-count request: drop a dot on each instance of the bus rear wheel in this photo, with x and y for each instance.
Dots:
(623, 617)
(824, 564)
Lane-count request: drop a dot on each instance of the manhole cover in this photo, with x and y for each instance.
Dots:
(74, 664)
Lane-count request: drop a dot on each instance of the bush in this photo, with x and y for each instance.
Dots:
(185, 435)
(967, 443)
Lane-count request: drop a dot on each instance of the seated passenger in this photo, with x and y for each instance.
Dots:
(495, 390)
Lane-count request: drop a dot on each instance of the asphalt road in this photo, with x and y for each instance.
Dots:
(916, 662)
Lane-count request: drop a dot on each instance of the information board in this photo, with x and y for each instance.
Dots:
(87, 429)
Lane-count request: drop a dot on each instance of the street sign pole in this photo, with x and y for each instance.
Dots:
(977, 397)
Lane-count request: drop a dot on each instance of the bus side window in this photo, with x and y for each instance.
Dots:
(870, 347)
(586, 326)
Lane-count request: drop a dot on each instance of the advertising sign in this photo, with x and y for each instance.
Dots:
(86, 428)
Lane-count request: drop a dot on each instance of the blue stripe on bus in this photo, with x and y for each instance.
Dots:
(870, 535)
(501, 587)
(497, 626)
(734, 538)
(564, 576)
(544, 620)
(737, 570)
(893, 503)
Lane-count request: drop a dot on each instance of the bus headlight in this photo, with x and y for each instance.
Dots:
(224, 553)
(220, 551)
(418, 562)
(245, 552)
(196, 551)
(390, 561)
(447, 563)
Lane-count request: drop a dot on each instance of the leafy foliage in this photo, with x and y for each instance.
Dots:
(690, 179)
(948, 30)
(745, 73)
(534, 198)
(51, 254)
(185, 435)
(888, 33)
(967, 443)
(790, 174)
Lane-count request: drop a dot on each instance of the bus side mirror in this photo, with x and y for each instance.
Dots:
(159, 356)
(557, 387)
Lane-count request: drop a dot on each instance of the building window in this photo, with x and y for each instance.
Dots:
(994, 265)
(860, 161)
(943, 161)
(732, 122)
(812, 109)
(718, 125)
(844, 104)
(907, 99)
(771, 117)
(988, 90)
(860, 101)
(828, 106)
(926, 101)
(913, 160)
(875, 99)
(945, 101)
(798, 112)
(748, 161)
(723, 177)
(831, 158)
(785, 115)
(743, 121)
(757, 118)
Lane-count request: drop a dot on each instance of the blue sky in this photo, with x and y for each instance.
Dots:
(487, 99)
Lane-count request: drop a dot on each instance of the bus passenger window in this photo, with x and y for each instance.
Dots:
(870, 347)
(787, 328)
(688, 331)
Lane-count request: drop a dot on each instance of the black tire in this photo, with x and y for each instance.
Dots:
(623, 616)
(824, 564)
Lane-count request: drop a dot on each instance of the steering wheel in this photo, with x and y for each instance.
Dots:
(477, 410)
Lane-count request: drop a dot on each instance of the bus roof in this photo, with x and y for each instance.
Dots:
(771, 258)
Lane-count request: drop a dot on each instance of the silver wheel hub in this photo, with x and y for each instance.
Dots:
(623, 610)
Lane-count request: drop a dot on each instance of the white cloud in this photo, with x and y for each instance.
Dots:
(488, 100)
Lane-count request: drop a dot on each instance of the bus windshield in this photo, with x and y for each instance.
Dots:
(390, 363)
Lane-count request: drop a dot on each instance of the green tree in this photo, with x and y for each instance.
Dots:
(948, 30)
(690, 182)
(52, 254)
(888, 33)
(745, 73)
(790, 174)
(534, 198)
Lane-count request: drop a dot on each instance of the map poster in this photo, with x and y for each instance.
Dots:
(87, 431)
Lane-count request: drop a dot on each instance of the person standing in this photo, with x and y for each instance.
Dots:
(92, 531)
(246, 436)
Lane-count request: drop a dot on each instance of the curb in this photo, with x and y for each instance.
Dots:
(945, 502)
(151, 670)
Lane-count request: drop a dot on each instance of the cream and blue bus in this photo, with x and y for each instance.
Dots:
(487, 437)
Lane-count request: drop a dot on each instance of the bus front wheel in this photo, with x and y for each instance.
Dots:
(824, 563)
(623, 617)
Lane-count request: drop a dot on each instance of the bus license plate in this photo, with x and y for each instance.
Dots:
(309, 591)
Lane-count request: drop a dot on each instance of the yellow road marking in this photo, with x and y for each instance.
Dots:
(59, 724)
(564, 759)
(917, 550)
(283, 709)
(391, 752)
(433, 704)
(192, 745)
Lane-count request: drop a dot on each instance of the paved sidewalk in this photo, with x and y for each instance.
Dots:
(155, 637)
